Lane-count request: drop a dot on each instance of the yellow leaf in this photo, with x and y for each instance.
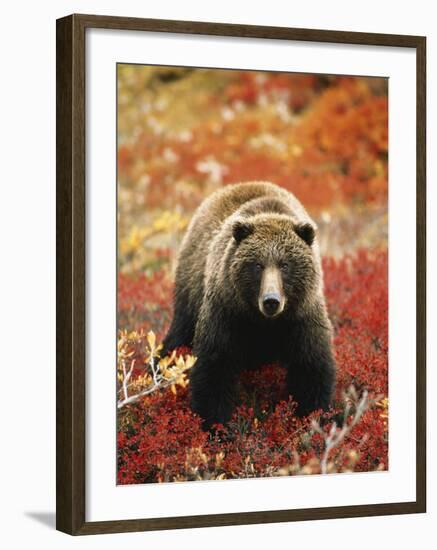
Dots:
(151, 339)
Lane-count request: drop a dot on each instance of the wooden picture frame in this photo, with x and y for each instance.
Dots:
(71, 283)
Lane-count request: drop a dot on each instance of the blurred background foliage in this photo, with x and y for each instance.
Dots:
(184, 132)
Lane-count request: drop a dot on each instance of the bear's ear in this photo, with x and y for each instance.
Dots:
(241, 230)
(306, 232)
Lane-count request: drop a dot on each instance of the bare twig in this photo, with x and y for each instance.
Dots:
(335, 436)
(126, 376)
(158, 373)
(158, 385)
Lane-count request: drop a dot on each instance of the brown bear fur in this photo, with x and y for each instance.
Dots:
(235, 235)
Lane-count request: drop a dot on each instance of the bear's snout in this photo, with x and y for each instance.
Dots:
(271, 303)
(271, 299)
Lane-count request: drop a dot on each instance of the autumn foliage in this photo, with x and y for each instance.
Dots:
(183, 134)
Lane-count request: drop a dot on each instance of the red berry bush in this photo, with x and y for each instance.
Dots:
(160, 439)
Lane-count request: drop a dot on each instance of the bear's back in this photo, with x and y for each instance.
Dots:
(247, 198)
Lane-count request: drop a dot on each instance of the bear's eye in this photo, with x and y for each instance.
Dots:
(283, 266)
(258, 267)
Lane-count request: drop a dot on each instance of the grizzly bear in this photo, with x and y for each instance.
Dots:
(249, 291)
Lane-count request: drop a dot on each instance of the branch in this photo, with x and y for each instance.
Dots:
(335, 436)
(162, 373)
(161, 383)
(126, 376)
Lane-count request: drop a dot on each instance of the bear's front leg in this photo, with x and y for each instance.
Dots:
(213, 377)
(311, 367)
(212, 387)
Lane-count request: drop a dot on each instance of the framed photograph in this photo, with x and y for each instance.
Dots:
(240, 274)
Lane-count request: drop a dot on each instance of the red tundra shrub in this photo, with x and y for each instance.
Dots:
(144, 302)
(160, 439)
(357, 293)
(155, 436)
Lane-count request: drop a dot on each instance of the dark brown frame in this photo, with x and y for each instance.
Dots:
(70, 275)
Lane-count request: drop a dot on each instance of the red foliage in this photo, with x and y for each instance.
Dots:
(356, 290)
(295, 89)
(335, 154)
(160, 431)
(144, 302)
(160, 439)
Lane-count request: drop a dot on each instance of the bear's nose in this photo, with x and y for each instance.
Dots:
(271, 304)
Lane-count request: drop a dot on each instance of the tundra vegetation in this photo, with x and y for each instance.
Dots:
(182, 133)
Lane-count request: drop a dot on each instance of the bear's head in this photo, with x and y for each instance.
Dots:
(272, 268)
